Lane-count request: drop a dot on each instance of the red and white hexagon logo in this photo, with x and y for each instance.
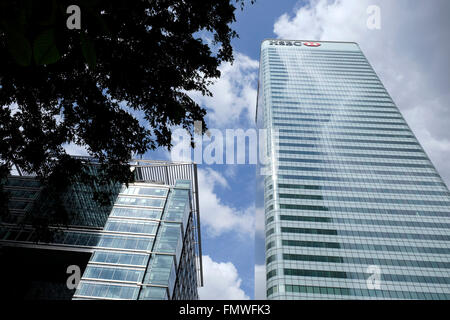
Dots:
(311, 44)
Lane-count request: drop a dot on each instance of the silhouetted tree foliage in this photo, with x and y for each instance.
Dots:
(85, 86)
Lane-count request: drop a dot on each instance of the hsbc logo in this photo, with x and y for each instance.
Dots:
(311, 44)
(285, 43)
(293, 43)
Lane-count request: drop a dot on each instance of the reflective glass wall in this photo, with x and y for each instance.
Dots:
(354, 208)
(145, 249)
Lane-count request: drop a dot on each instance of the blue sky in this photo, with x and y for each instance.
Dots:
(403, 53)
(409, 53)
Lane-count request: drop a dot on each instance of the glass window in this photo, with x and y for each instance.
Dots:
(153, 293)
(136, 213)
(120, 258)
(144, 202)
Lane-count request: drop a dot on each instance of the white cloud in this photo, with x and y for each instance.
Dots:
(231, 170)
(75, 150)
(260, 282)
(217, 177)
(216, 216)
(323, 20)
(234, 94)
(409, 53)
(221, 281)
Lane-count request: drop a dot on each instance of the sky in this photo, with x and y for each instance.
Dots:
(410, 55)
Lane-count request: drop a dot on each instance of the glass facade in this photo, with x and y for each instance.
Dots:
(354, 208)
(139, 252)
(144, 246)
(28, 198)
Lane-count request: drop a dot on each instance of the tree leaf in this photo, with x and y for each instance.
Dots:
(87, 47)
(44, 48)
(19, 48)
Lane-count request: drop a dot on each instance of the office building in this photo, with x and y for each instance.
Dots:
(144, 246)
(354, 208)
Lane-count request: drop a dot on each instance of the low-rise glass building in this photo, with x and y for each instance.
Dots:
(145, 245)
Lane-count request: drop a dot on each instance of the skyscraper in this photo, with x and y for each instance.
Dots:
(145, 246)
(354, 208)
